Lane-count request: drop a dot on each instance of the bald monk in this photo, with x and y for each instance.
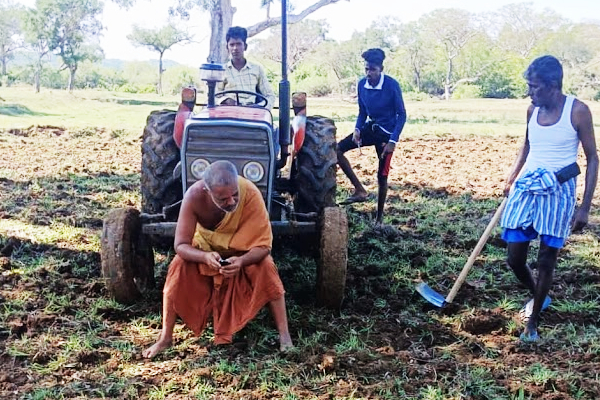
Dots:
(222, 217)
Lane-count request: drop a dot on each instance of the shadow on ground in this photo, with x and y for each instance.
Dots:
(14, 110)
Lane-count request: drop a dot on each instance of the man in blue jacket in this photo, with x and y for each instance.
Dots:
(381, 117)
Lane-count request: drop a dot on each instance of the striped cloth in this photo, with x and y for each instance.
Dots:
(539, 201)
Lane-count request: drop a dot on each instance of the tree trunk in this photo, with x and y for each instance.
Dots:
(448, 79)
(3, 61)
(160, 72)
(417, 80)
(221, 17)
(72, 70)
(37, 77)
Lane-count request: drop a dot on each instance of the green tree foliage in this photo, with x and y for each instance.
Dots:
(449, 31)
(72, 27)
(221, 19)
(521, 28)
(159, 40)
(578, 48)
(10, 32)
(447, 52)
(343, 59)
(382, 33)
(414, 54)
(37, 36)
(504, 79)
(303, 38)
(181, 76)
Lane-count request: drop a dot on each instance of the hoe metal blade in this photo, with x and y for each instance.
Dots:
(431, 295)
(437, 299)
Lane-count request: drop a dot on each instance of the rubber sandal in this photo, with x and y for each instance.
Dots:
(355, 199)
(527, 309)
(530, 337)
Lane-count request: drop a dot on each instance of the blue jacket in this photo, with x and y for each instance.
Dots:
(384, 106)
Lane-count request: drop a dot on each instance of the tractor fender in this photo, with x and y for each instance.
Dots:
(183, 113)
(298, 132)
(186, 107)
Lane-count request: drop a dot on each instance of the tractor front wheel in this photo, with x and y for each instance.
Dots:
(127, 256)
(333, 260)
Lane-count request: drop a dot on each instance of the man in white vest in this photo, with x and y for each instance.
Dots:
(542, 184)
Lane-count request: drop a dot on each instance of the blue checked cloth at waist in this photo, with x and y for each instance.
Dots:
(538, 200)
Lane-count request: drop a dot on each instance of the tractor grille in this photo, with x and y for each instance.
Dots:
(238, 142)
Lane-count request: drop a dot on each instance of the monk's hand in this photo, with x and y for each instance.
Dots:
(388, 149)
(211, 258)
(580, 220)
(231, 269)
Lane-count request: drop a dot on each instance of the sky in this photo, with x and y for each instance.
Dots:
(344, 18)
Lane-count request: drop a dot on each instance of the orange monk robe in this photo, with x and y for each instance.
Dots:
(197, 291)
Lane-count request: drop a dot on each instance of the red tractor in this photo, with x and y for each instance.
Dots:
(294, 166)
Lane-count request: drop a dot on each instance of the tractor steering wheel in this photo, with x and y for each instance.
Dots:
(261, 101)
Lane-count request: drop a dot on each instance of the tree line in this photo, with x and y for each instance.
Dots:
(70, 29)
(449, 53)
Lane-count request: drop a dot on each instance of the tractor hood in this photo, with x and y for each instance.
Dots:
(236, 112)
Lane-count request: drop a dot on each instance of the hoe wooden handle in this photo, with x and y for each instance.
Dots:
(465, 271)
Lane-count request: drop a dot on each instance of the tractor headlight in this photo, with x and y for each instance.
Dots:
(198, 167)
(253, 171)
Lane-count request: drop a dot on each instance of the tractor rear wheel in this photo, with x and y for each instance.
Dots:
(316, 166)
(160, 156)
(333, 260)
(126, 255)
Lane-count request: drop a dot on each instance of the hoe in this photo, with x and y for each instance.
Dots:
(437, 299)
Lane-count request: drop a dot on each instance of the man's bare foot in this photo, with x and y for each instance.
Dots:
(156, 348)
(285, 343)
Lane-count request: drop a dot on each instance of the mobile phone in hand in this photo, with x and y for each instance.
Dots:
(224, 262)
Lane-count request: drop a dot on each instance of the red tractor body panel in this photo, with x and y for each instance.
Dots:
(298, 131)
(183, 113)
(237, 112)
(185, 110)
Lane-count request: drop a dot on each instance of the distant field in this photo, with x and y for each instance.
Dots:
(22, 107)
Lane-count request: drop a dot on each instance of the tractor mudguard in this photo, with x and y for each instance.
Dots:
(298, 124)
(188, 101)
(298, 133)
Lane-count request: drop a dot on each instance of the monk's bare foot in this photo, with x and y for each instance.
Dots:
(285, 343)
(156, 348)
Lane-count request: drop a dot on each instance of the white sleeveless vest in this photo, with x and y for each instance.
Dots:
(552, 147)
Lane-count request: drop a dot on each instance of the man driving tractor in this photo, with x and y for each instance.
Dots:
(240, 74)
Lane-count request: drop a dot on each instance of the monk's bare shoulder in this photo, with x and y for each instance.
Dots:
(195, 190)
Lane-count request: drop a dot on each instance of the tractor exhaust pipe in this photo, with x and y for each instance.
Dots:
(284, 90)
